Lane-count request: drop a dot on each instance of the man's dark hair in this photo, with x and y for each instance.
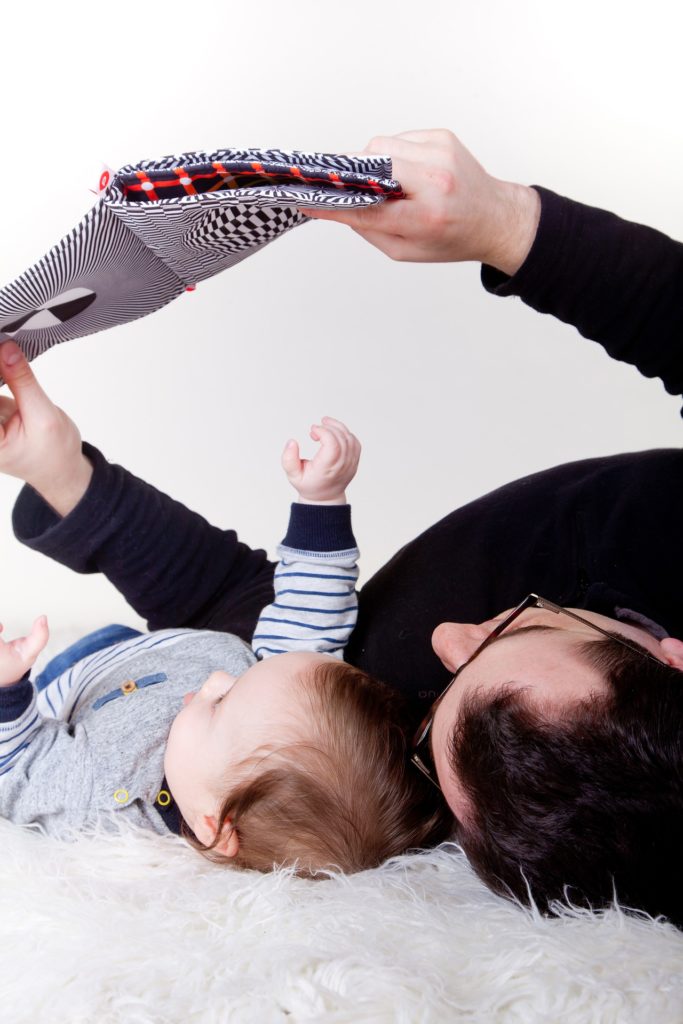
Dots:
(587, 807)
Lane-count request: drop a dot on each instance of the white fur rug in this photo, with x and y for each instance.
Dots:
(138, 929)
(135, 929)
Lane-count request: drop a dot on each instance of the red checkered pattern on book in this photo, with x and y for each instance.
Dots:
(221, 178)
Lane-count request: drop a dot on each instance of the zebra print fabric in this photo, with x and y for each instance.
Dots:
(160, 226)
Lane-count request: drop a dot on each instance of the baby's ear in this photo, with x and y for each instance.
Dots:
(672, 651)
(229, 842)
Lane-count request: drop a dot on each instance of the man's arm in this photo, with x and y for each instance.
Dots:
(172, 567)
(315, 607)
(618, 282)
(169, 563)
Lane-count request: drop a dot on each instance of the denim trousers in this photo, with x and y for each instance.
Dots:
(107, 636)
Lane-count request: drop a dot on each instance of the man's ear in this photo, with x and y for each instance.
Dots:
(672, 651)
(229, 842)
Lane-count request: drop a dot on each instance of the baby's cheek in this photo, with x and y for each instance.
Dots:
(176, 738)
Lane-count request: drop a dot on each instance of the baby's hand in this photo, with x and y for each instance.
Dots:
(18, 656)
(323, 479)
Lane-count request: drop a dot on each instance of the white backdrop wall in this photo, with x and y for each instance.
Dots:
(451, 391)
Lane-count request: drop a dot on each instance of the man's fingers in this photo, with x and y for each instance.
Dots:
(8, 408)
(20, 378)
(408, 147)
(387, 218)
(390, 145)
(392, 246)
(350, 217)
(438, 137)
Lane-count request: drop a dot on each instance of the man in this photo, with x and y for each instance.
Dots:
(557, 748)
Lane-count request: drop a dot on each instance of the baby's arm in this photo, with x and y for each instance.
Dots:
(19, 720)
(27, 740)
(47, 774)
(315, 605)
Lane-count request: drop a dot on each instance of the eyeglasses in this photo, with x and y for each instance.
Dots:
(422, 755)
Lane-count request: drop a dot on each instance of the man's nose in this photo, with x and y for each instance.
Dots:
(455, 642)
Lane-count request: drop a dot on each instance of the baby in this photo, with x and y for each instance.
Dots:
(284, 754)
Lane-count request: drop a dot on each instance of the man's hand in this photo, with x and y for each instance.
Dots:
(454, 209)
(18, 656)
(38, 442)
(323, 479)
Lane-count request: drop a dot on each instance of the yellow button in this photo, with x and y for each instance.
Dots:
(129, 686)
(163, 798)
(121, 796)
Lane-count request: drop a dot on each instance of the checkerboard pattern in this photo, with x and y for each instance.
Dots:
(239, 228)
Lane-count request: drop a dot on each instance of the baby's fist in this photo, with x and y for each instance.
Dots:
(18, 656)
(323, 479)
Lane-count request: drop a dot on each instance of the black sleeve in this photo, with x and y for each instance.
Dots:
(618, 283)
(170, 564)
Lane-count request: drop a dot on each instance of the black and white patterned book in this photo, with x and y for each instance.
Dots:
(161, 226)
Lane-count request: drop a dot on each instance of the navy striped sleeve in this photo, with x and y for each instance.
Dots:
(15, 699)
(319, 528)
(316, 605)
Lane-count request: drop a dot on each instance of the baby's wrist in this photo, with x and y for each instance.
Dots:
(11, 679)
(335, 499)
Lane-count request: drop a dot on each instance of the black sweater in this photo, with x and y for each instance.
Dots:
(597, 534)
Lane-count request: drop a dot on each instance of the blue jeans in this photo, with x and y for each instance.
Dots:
(96, 641)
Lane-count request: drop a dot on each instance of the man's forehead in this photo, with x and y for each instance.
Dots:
(517, 637)
(530, 649)
(538, 657)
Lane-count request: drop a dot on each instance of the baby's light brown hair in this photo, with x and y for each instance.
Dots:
(345, 799)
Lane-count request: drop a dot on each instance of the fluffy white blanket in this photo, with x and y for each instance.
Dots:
(139, 929)
(135, 929)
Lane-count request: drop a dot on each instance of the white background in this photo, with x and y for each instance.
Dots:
(452, 391)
